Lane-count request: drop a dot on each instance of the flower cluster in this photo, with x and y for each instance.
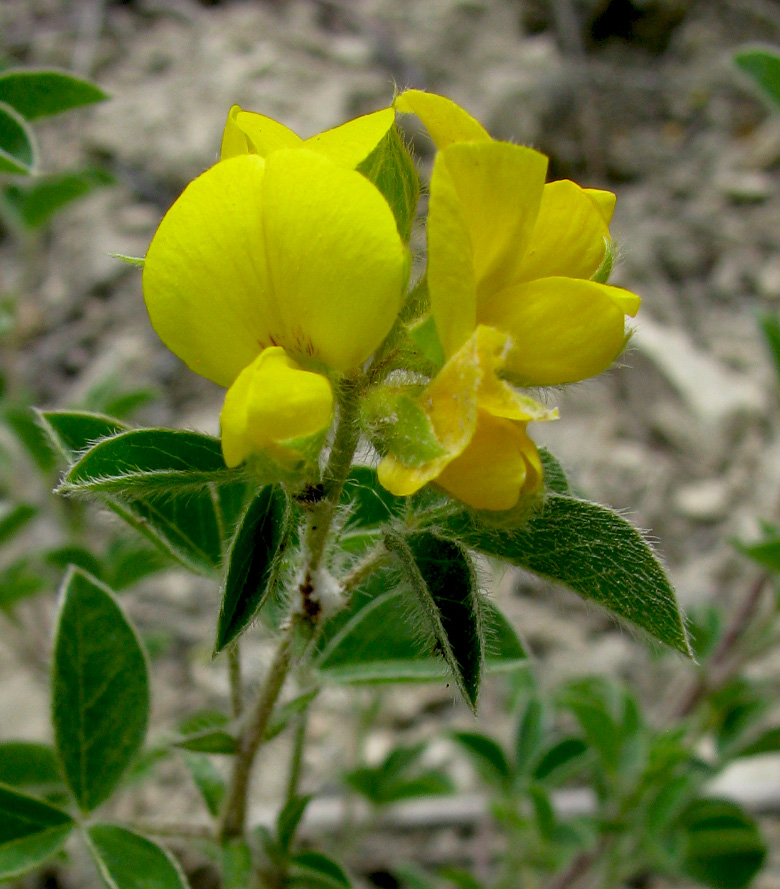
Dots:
(284, 267)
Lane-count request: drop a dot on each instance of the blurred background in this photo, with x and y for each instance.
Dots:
(637, 96)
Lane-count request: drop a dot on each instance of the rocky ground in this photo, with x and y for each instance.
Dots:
(638, 96)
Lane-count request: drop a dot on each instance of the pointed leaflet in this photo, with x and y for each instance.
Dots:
(596, 553)
(378, 639)
(147, 461)
(252, 563)
(190, 526)
(100, 690)
(443, 581)
(40, 93)
(28, 765)
(30, 832)
(127, 860)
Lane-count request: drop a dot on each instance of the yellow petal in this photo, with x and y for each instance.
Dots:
(234, 141)
(484, 202)
(490, 349)
(352, 142)
(264, 134)
(570, 235)
(563, 329)
(272, 401)
(451, 280)
(445, 121)
(500, 190)
(205, 279)
(337, 264)
(605, 201)
(499, 465)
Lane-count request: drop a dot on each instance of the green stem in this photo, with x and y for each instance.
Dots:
(296, 759)
(236, 682)
(234, 812)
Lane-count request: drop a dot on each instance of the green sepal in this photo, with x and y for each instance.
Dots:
(127, 860)
(398, 425)
(35, 93)
(602, 273)
(137, 261)
(391, 168)
(252, 563)
(592, 550)
(18, 150)
(30, 832)
(425, 336)
(553, 474)
(100, 690)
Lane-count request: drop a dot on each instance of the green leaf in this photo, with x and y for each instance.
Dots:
(189, 527)
(370, 505)
(722, 844)
(40, 93)
(766, 553)
(770, 327)
(530, 734)
(313, 870)
(288, 820)
(596, 553)
(35, 202)
(767, 742)
(442, 579)
(30, 832)
(100, 690)
(377, 639)
(252, 563)
(555, 481)
(236, 865)
(24, 424)
(147, 461)
(207, 779)
(558, 762)
(13, 517)
(72, 432)
(127, 860)
(127, 561)
(391, 168)
(286, 711)
(19, 580)
(17, 143)
(763, 67)
(486, 755)
(399, 777)
(29, 766)
(601, 729)
(208, 741)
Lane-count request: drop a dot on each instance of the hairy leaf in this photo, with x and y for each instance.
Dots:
(252, 563)
(596, 553)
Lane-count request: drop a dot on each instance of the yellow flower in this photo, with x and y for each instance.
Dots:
(249, 133)
(510, 267)
(275, 267)
(489, 461)
(508, 251)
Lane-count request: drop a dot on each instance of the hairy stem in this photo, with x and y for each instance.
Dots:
(234, 812)
(296, 758)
